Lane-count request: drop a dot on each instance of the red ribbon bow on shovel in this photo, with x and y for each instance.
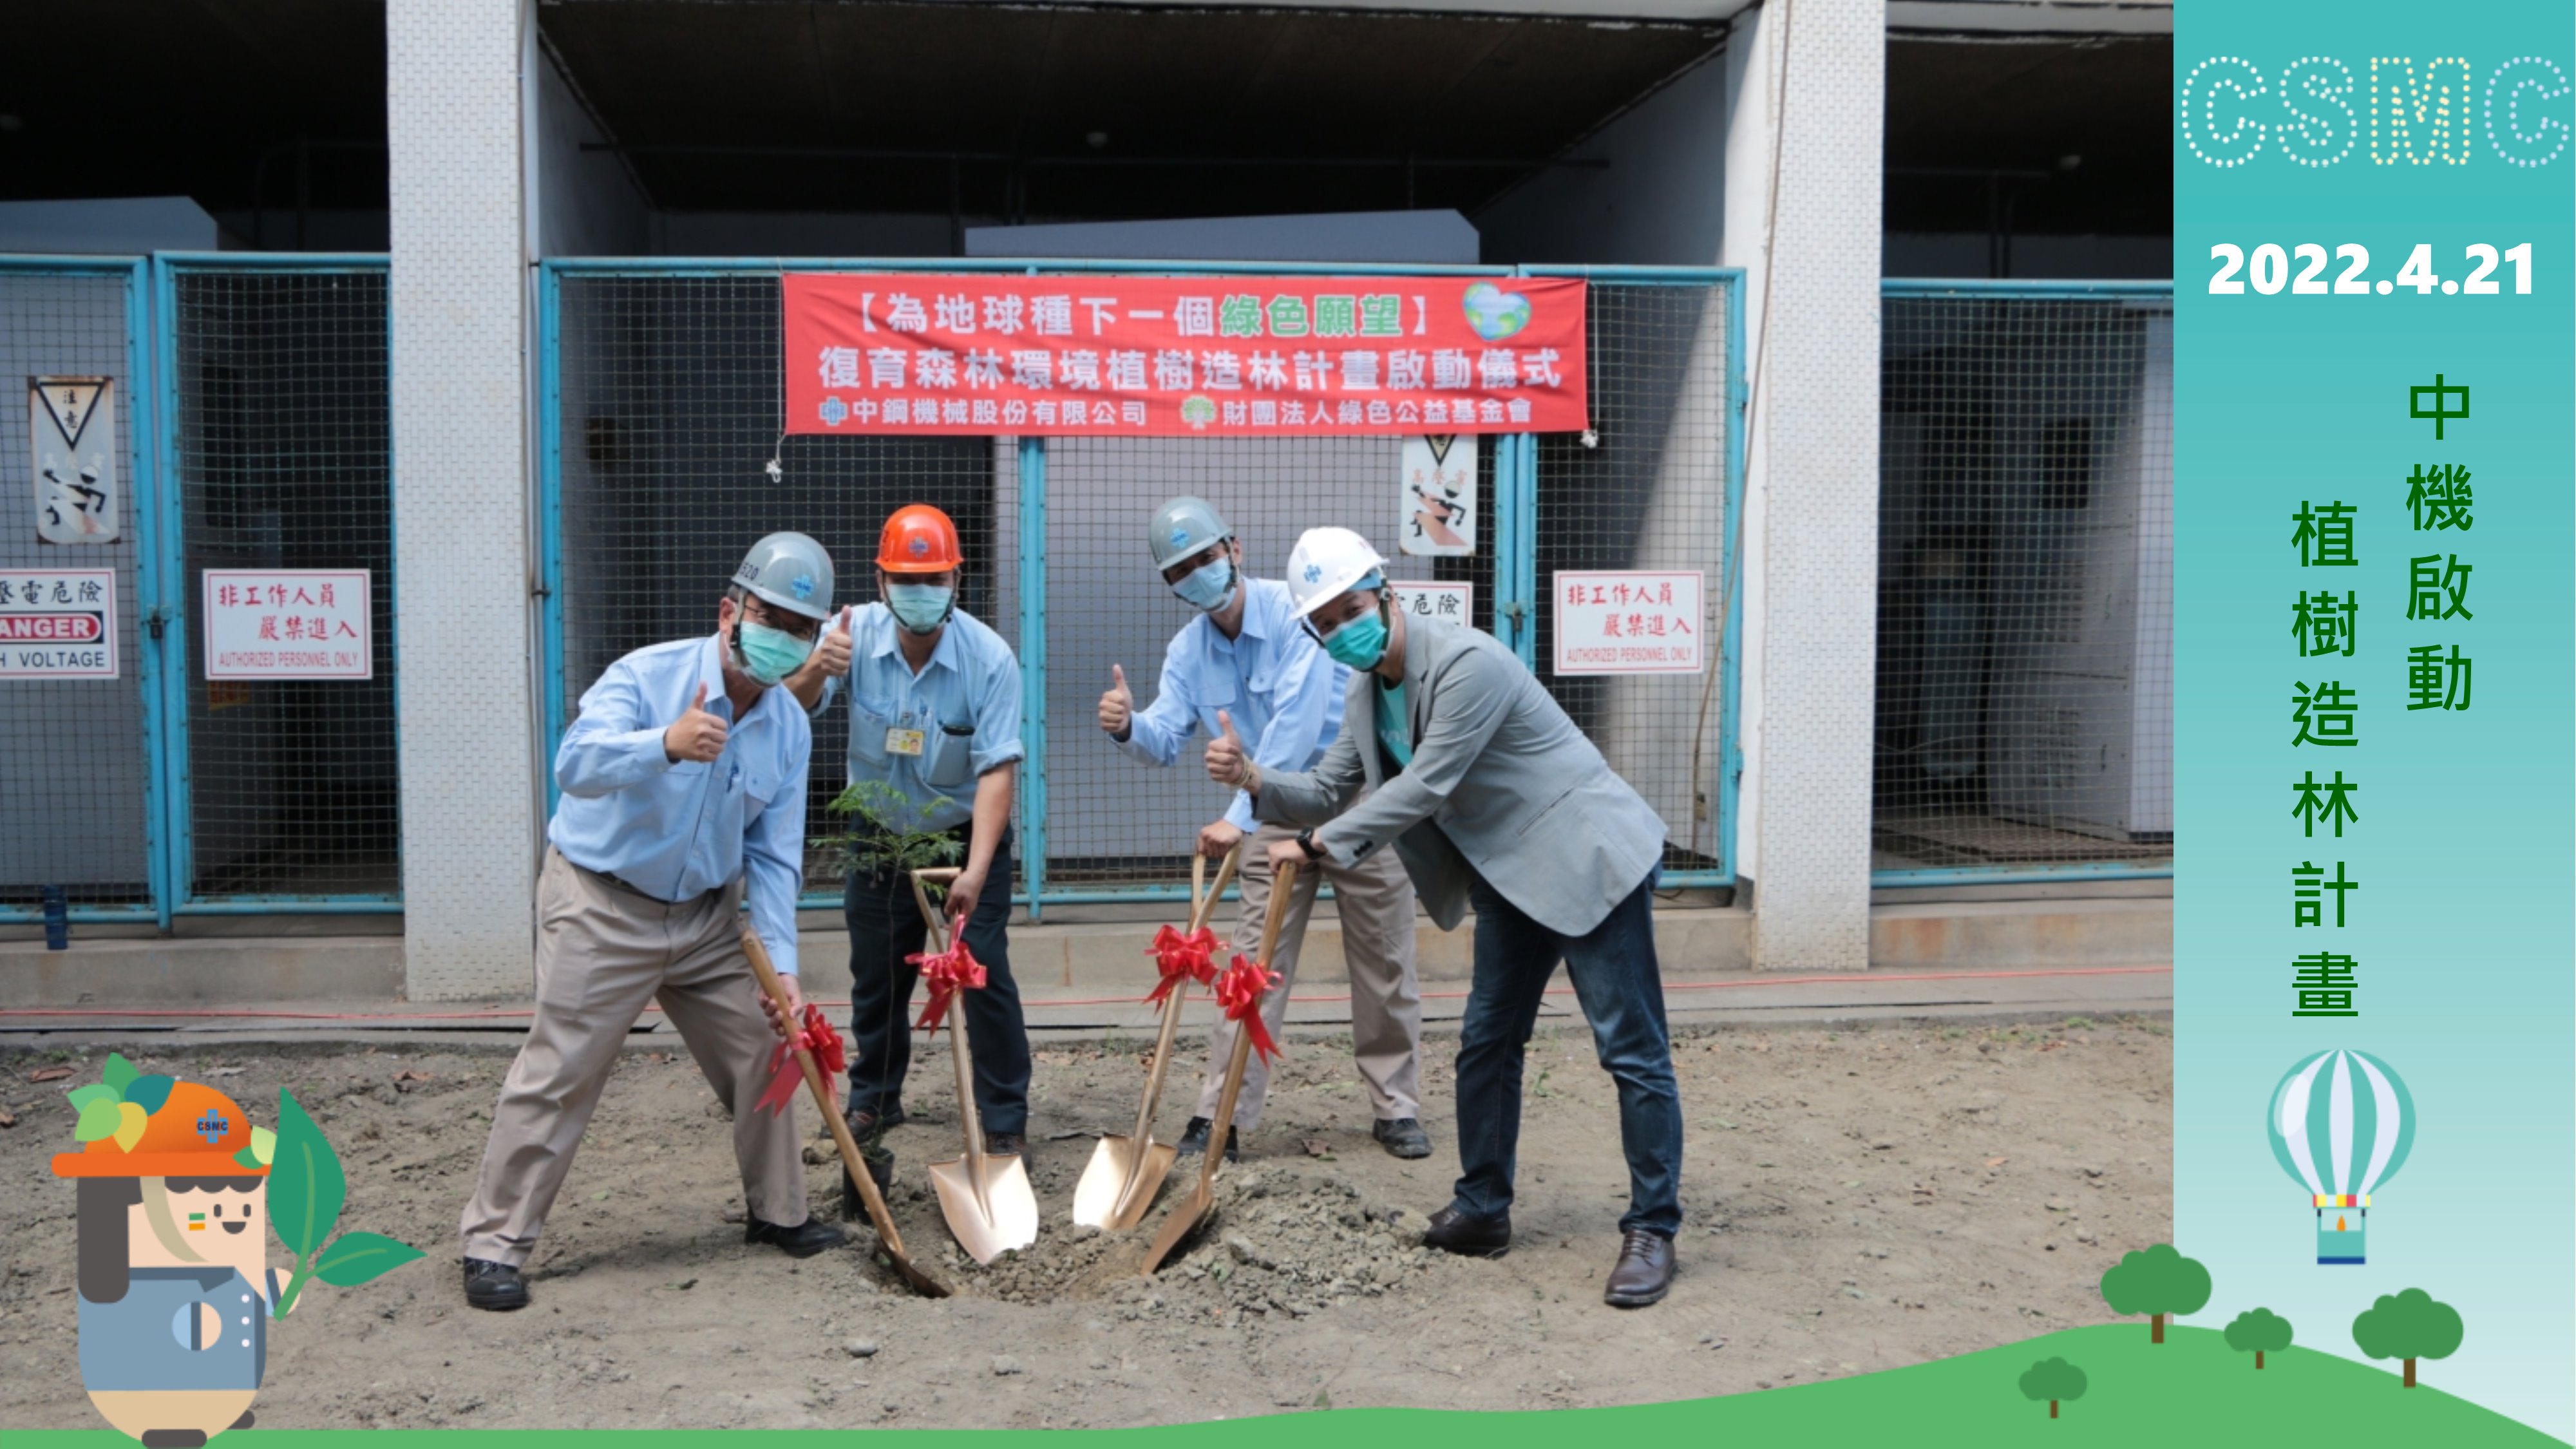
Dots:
(815, 1035)
(1182, 958)
(1239, 991)
(947, 972)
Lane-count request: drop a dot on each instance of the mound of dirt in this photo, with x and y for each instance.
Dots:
(1280, 1240)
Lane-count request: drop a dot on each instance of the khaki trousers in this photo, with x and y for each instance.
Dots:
(603, 951)
(1375, 898)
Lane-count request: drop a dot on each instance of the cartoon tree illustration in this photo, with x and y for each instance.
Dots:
(2053, 1379)
(2408, 1325)
(306, 1189)
(2156, 1282)
(2258, 1331)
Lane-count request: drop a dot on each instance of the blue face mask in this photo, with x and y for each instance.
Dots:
(1210, 588)
(768, 655)
(921, 608)
(1361, 643)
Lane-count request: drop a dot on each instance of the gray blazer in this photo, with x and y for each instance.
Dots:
(1502, 784)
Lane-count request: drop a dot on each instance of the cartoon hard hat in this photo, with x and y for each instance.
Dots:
(196, 1132)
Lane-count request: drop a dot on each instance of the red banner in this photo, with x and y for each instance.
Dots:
(1246, 356)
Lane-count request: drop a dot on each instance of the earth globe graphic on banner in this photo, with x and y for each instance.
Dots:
(2341, 1125)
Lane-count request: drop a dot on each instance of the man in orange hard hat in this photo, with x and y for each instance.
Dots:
(935, 717)
(174, 1281)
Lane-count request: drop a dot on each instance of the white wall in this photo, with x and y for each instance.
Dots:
(454, 122)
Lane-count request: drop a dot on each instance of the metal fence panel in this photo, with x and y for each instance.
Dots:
(663, 406)
(282, 459)
(667, 417)
(2025, 702)
(1112, 821)
(1649, 488)
(74, 779)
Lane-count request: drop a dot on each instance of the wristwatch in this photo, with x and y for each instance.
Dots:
(1306, 843)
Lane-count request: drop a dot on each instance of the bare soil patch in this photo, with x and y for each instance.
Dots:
(1856, 1200)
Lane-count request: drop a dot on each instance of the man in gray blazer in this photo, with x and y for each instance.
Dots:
(1452, 752)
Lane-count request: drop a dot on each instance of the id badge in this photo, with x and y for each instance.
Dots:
(900, 741)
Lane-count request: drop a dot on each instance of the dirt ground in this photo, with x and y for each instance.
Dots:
(1856, 1199)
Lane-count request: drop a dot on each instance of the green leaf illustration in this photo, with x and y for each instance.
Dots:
(305, 1184)
(117, 1073)
(83, 1098)
(150, 1092)
(355, 1258)
(98, 1121)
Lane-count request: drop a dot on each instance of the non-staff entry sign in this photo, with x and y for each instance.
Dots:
(288, 624)
(1622, 621)
(1243, 356)
(58, 624)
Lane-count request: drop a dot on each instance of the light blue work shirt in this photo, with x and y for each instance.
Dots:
(676, 830)
(965, 703)
(1283, 691)
(155, 1338)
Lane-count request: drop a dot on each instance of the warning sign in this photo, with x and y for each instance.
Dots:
(58, 624)
(71, 422)
(1438, 506)
(288, 624)
(1454, 603)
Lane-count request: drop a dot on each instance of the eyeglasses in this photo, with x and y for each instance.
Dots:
(796, 626)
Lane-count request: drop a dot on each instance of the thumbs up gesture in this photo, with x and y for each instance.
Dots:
(1117, 707)
(697, 735)
(832, 651)
(1228, 763)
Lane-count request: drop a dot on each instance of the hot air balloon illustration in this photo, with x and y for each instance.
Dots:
(2341, 1125)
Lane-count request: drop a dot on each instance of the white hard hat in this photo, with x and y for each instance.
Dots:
(1326, 564)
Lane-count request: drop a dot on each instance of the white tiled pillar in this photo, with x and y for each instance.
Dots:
(453, 100)
(1822, 68)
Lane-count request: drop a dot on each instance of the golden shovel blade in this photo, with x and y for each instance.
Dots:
(1120, 1184)
(1001, 1218)
(1186, 1216)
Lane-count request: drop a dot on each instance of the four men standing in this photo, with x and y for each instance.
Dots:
(1444, 747)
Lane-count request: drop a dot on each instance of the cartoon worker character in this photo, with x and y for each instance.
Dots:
(174, 1279)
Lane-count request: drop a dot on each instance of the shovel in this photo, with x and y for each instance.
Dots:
(1193, 1209)
(921, 1282)
(1126, 1172)
(988, 1201)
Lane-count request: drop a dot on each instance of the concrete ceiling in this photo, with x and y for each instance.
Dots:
(183, 97)
(756, 104)
(1975, 117)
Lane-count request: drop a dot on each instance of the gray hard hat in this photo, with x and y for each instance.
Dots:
(1183, 528)
(790, 571)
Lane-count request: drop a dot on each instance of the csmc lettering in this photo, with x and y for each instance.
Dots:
(2317, 111)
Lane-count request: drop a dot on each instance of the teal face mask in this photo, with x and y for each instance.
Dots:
(921, 608)
(1361, 643)
(1208, 588)
(768, 655)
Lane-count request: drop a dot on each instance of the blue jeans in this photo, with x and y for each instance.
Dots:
(1621, 989)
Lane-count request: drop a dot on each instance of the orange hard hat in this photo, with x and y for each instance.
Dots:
(919, 539)
(195, 1134)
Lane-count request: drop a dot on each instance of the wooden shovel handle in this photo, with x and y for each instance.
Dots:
(776, 990)
(1283, 884)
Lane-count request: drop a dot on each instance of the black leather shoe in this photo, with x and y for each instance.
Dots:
(801, 1241)
(1453, 1231)
(1194, 1140)
(1644, 1272)
(1403, 1137)
(496, 1286)
(1006, 1144)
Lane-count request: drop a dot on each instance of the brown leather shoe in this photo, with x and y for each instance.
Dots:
(1644, 1272)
